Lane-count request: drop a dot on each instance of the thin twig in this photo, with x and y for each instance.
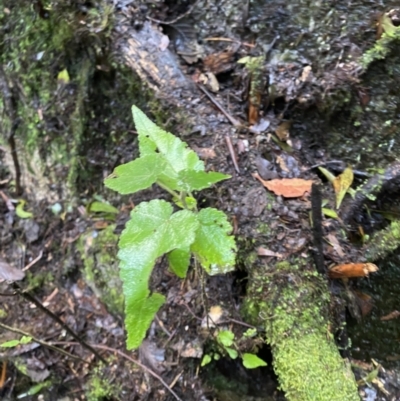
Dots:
(232, 120)
(185, 14)
(232, 152)
(230, 40)
(127, 357)
(28, 266)
(41, 342)
(32, 299)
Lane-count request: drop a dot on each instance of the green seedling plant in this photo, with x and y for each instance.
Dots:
(155, 228)
(227, 346)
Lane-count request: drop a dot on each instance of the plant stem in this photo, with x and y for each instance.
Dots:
(41, 342)
(170, 191)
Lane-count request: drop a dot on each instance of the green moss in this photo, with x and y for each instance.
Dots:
(381, 49)
(310, 368)
(291, 302)
(98, 252)
(384, 242)
(99, 388)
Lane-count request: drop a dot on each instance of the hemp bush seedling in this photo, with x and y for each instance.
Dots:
(154, 229)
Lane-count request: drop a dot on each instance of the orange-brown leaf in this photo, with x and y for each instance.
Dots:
(287, 187)
(352, 270)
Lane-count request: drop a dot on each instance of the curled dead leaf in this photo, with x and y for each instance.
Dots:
(349, 270)
(287, 187)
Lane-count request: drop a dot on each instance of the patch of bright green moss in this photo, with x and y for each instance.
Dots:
(99, 387)
(291, 302)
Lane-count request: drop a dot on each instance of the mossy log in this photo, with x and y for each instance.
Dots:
(291, 301)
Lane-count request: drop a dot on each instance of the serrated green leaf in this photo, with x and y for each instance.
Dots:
(251, 361)
(197, 180)
(175, 151)
(214, 248)
(178, 260)
(136, 175)
(102, 207)
(151, 232)
(233, 354)
(179, 158)
(226, 337)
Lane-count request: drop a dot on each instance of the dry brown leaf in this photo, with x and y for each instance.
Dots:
(287, 187)
(283, 131)
(254, 109)
(220, 62)
(352, 270)
(266, 252)
(335, 244)
(10, 273)
(282, 164)
(364, 302)
(392, 315)
(205, 153)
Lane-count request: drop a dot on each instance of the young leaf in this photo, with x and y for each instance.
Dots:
(226, 337)
(233, 354)
(197, 180)
(20, 212)
(206, 360)
(151, 232)
(102, 207)
(178, 260)
(213, 246)
(136, 175)
(341, 184)
(251, 361)
(174, 150)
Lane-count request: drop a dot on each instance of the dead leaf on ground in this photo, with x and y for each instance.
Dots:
(341, 184)
(283, 131)
(266, 252)
(287, 187)
(205, 153)
(349, 270)
(392, 315)
(282, 164)
(364, 302)
(220, 62)
(10, 273)
(335, 244)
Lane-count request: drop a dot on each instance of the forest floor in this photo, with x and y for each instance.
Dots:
(67, 251)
